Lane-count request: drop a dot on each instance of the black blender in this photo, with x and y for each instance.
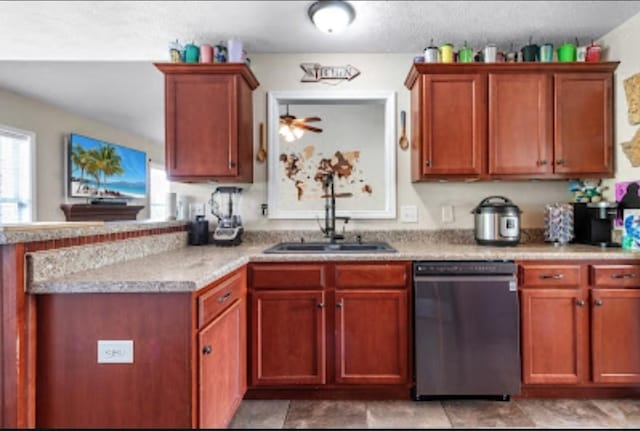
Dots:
(229, 229)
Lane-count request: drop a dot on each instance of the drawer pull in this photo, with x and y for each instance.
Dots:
(552, 276)
(340, 304)
(224, 297)
(620, 276)
(598, 302)
(320, 305)
(206, 350)
(580, 303)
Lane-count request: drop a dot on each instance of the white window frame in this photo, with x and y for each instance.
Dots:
(33, 173)
(153, 165)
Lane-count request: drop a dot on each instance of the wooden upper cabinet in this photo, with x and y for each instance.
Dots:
(511, 120)
(520, 123)
(208, 122)
(450, 135)
(583, 123)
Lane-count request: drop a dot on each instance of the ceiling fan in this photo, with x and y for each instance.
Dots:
(293, 128)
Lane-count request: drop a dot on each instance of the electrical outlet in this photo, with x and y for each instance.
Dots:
(447, 213)
(409, 214)
(115, 351)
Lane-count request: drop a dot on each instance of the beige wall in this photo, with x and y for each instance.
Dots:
(621, 45)
(282, 72)
(50, 125)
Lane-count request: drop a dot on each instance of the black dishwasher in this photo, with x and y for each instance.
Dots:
(466, 329)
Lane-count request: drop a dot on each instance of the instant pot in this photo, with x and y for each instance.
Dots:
(497, 221)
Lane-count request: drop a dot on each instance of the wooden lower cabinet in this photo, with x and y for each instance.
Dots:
(288, 344)
(615, 322)
(554, 331)
(371, 343)
(583, 333)
(189, 358)
(334, 332)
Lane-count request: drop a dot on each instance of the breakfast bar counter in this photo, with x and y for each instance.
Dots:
(194, 267)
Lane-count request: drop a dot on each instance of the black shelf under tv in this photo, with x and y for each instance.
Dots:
(94, 212)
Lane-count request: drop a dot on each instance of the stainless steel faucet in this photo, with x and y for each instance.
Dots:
(330, 218)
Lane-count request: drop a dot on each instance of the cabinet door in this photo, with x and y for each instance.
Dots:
(371, 336)
(583, 123)
(554, 335)
(201, 126)
(222, 369)
(288, 337)
(453, 124)
(615, 320)
(520, 124)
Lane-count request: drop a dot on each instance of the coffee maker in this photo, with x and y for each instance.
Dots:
(224, 201)
(594, 223)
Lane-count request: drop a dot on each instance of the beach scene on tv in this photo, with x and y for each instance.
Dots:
(103, 170)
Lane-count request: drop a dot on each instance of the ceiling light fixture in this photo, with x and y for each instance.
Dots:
(331, 16)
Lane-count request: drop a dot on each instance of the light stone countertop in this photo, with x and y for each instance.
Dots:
(43, 231)
(191, 268)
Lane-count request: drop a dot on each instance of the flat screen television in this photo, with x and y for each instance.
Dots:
(102, 170)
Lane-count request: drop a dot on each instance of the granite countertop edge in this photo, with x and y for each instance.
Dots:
(192, 268)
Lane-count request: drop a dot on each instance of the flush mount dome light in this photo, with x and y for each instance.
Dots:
(331, 16)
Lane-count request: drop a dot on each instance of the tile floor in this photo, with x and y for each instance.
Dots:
(565, 413)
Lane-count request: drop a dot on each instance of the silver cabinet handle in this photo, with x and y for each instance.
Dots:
(340, 304)
(232, 164)
(560, 162)
(580, 303)
(320, 305)
(224, 297)
(427, 162)
(552, 276)
(207, 350)
(542, 162)
(598, 302)
(625, 275)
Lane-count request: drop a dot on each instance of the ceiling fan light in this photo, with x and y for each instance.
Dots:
(331, 16)
(297, 132)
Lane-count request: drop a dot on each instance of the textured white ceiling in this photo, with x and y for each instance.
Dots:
(141, 30)
(129, 95)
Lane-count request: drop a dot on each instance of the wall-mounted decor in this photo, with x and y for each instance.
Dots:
(631, 149)
(357, 145)
(632, 91)
(313, 72)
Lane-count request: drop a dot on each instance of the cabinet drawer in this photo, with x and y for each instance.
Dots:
(550, 275)
(615, 275)
(371, 275)
(287, 276)
(211, 303)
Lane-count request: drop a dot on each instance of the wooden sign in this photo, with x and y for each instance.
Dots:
(314, 72)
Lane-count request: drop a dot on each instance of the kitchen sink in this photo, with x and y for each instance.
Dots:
(327, 247)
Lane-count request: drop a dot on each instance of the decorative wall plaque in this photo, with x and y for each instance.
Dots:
(314, 72)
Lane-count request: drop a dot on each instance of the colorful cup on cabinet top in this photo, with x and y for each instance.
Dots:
(489, 53)
(446, 53)
(581, 53)
(546, 53)
(567, 52)
(593, 52)
(465, 55)
(530, 52)
(220, 53)
(191, 53)
(431, 54)
(206, 54)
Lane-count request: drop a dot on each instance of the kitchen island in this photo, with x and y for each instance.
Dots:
(177, 304)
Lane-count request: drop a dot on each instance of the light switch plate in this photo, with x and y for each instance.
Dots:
(409, 214)
(115, 351)
(447, 213)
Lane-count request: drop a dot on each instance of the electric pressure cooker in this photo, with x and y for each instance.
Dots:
(497, 221)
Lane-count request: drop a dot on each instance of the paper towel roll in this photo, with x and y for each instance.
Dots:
(172, 209)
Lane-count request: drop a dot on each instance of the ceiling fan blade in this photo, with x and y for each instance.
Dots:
(310, 128)
(309, 119)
